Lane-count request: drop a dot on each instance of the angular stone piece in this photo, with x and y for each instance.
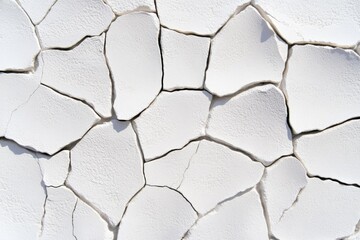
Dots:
(156, 213)
(133, 52)
(201, 16)
(125, 6)
(170, 169)
(333, 153)
(59, 209)
(21, 194)
(322, 87)
(55, 168)
(15, 90)
(282, 183)
(18, 42)
(325, 210)
(173, 120)
(81, 73)
(216, 173)
(239, 218)
(107, 168)
(184, 59)
(37, 9)
(88, 225)
(49, 121)
(254, 121)
(327, 22)
(245, 52)
(70, 21)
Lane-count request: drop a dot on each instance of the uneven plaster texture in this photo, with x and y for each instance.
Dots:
(179, 119)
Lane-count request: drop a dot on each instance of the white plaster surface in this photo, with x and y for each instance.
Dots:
(18, 42)
(254, 121)
(179, 119)
(245, 44)
(134, 58)
(107, 168)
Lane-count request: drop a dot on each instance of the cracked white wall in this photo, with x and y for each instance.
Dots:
(179, 119)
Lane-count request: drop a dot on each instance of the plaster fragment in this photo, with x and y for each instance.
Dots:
(49, 121)
(18, 42)
(173, 120)
(254, 121)
(107, 168)
(156, 213)
(133, 52)
(322, 87)
(245, 52)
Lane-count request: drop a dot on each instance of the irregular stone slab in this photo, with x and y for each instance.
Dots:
(59, 209)
(125, 6)
(254, 121)
(22, 195)
(81, 73)
(15, 90)
(322, 87)
(282, 183)
(326, 22)
(245, 45)
(240, 218)
(201, 17)
(173, 120)
(107, 168)
(37, 9)
(55, 168)
(47, 122)
(184, 59)
(73, 20)
(133, 52)
(18, 42)
(216, 173)
(89, 225)
(156, 213)
(325, 210)
(172, 167)
(333, 153)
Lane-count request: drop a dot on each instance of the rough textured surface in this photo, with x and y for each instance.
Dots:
(245, 45)
(107, 168)
(184, 59)
(37, 9)
(157, 213)
(175, 119)
(46, 121)
(328, 22)
(216, 173)
(73, 20)
(135, 62)
(322, 83)
(88, 225)
(281, 185)
(179, 119)
(325, 210)
(202, 16)
(15, 90)
(254, 121)
(21, 204)
(172, 167)
(250, 222)
(18, 42)
(80, 73)
(55, 168)
(333, 153)
(59, 207)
